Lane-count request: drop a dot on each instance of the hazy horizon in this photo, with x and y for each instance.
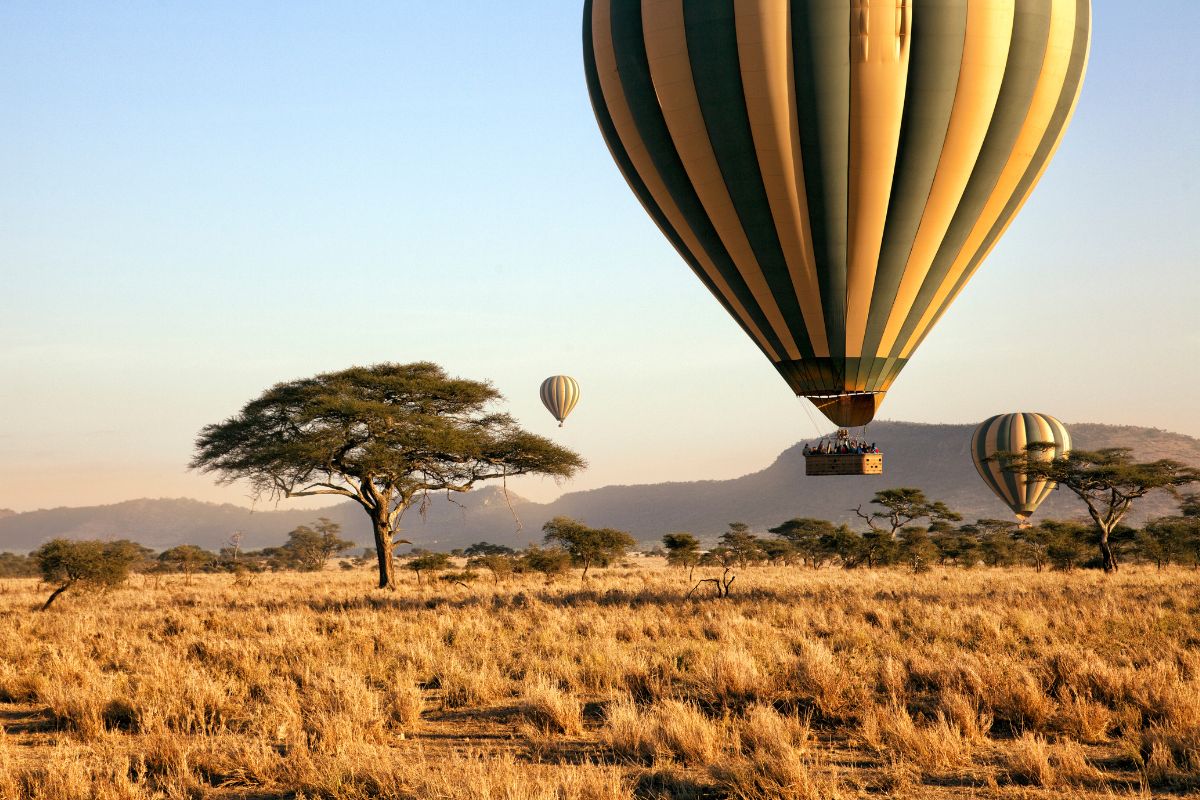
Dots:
(196, 197)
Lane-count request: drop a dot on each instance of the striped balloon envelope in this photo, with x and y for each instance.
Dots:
(560, 394)
(835, 171)
(1010, 433)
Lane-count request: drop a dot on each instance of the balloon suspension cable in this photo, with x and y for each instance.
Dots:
(811, 418)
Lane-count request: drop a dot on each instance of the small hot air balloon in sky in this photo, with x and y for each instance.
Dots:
(835, 171)
(560, 393)
(1010, 433)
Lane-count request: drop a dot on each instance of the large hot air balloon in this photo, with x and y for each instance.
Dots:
(560, 393)
(834, 171)
(1010, 433)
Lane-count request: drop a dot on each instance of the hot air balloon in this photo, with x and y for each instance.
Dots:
(560, 393)
(1010, 433)
(834, 171)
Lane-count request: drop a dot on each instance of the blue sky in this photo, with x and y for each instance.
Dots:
(199, 200)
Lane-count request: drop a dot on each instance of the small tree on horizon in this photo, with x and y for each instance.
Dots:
(997, 547)
(310, 548)
(901, 508)
(427, 563)
(488, 549)
(588, 547)
(384, 436)
(548, 561)
(743, 545)
(1189, 505)
(683, 550)
(805, 535)
(1108, 481)
(1170, 540)
(500, 565)
(186, 558)
(917, 548)
(91, 565)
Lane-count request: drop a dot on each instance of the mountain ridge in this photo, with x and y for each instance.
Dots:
(933, 457)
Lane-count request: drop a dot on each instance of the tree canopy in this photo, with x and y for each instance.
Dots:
(384, 436)
(683, 550)
(86, 564)
(185, 558)
(1108, 481)
(310, 548)
(588, 546)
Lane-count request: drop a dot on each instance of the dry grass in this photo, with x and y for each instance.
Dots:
(802, 685)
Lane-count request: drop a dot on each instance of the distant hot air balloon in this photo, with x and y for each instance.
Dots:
(834, 171)
(1010, 433)
(560, 394)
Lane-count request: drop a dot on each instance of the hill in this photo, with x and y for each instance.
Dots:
(931, 457)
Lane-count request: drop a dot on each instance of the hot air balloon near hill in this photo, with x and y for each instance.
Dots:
(835, 171)
(1010, 433)
(560, 393)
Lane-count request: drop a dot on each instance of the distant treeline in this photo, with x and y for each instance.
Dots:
(910, 531)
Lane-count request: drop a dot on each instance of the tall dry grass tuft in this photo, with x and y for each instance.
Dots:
(628, 733)
(1170, 746)
(683, 732)
(1085, 720)
(964, 713)
(763, 730)
(551, 709)
(780, 774)
(667, 730)
(1032, 760)
(1028, 762)
(404, 703)
(730, 678)
(1018, 700)
(821, 679)
(934, 746)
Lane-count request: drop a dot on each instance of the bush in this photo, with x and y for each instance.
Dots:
(86, 564)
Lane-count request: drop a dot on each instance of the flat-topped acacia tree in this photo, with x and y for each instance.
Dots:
(1108, 481)
(383, 436)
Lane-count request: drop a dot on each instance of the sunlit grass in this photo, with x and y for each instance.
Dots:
(803, 684)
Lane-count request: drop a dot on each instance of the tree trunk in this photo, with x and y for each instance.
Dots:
(57, 592)
(1110, 559)
(383, 550)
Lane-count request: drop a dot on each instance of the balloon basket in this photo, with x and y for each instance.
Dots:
(825, 465)
(843, 456)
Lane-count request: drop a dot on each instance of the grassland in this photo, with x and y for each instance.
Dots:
(830, 684)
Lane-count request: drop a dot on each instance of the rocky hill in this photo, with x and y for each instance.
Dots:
(931, 457)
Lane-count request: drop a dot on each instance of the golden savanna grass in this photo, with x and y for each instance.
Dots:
(803, 684)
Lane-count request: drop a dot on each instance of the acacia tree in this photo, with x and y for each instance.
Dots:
(185, 558)
(995, 538)
(917, 548)
(683, 550)
(1170, 540)
(427, 563)
(384, 436)
(1108, 481)
(1189, 505)
(805, 535)
(743, 544)
(587, 546)
(901, 508)
(310, 548)
(86, 564)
